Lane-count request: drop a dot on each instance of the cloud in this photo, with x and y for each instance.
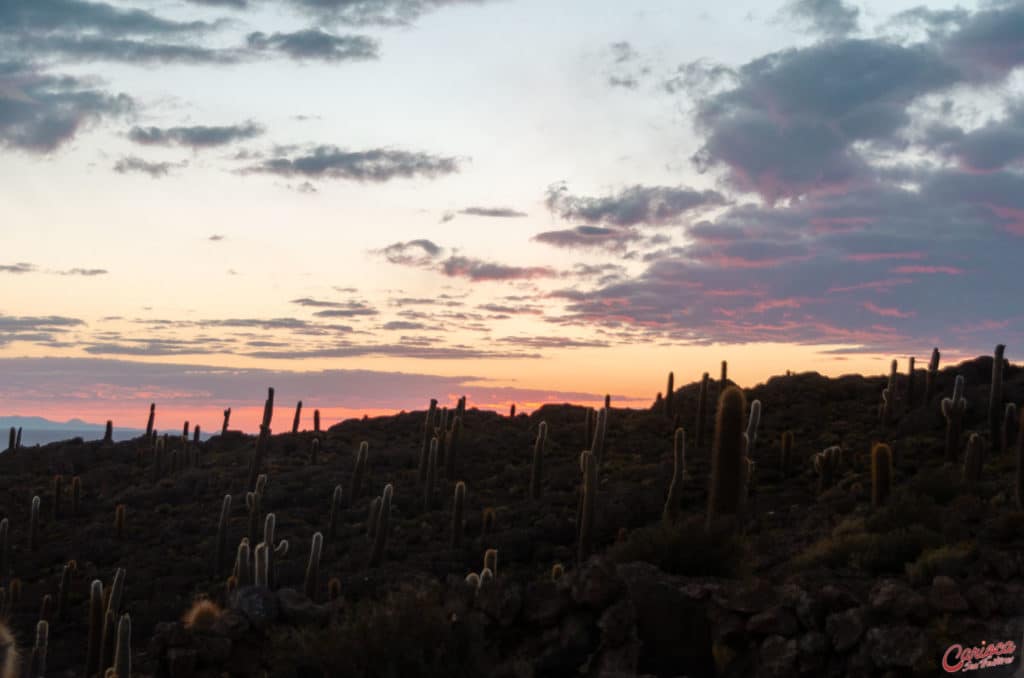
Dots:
(833, 18)
(195, 137)
(49, 323)
(376, 165)
(315, 44)
(40, 112)
(996, 145)
(589, 237)
(20, 16)
(480, 270)
(424, 352)
(216, 237)
(374, 12)
(412, 253)
(636, 205)
(20, 267)
(622, 52)
(86, 272)
(498, 212)
(131, 163)
(403, 325)
(79, 48)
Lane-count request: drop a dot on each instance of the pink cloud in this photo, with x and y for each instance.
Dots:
(882, 256)
(888, 312)
(950, 270)
(881, 285)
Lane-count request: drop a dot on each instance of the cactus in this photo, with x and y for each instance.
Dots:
(486, 577)
(910, 383)
(881, 474)
(473, 581)
(724, 496)
(452, 439)
(588, 426)
(430, 486)
(314, 451)
(58, 493)
(97, 615)
(196, 439)
(227, 419)
(150, 420)
(184, 431)
(298, 417)
(333, 589)
(335, 514)
(45, 607)
(262, 567)
(973, 462)
(359, 472)
(243, 564)
(254, 502)
(670, 395)
(33, 525)
(5, 549)
(537, 470)
(123, 651)
(313, 567)
(316, 421)
(37, 661)
(786, 452)
(826, 463)
(1019, 489)
(702, 409)
(995, 397)
(256, 461)
(487, 521)
(9, 659)
(273, 549)
(1009, 420)
(600, 429)
(108, 434)
(12, 440)
(724, 376)
(64, 591)
(428, 427)
(76, 495)
(888, 408)
(383, 520)
(931, 376)
(588, 506)
(557, 571)
(371, 520)
(512, 411)
(458, 513)
(953, 410)
(752, 425)
(222, 535)
(491, 561)
(119, 521)
(674, 502)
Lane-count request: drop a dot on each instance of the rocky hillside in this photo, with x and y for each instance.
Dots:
(831, 560)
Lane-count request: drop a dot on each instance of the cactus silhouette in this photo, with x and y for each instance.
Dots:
(227, 420)
(910, 384)
(261, 567)
(33, 525)
(335, 514)
(359, 473)
(973, 462)
(123, 651)
(97, 614)
(37, 661)
(881, 474)
(995, 396)
(312, 582)
(537, 469)
(430, 486)
(149, 422)
(931, 376)
(380, 539)
(674, 502)
(298, 417)
(458, 513)
(725, 494)
(953, 410)
(670, 396)
(588, 505)
(702, 411)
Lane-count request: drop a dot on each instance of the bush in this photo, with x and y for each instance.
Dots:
(876, 554)
(684, 549)
(950, 561)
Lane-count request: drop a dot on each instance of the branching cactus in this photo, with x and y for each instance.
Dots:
(752, 424)
(1009, 421)
(359, 473)
(274, 549)
(826, 464)
(430, 486)
(97, 614)
(973, 463)
(227, 420)
(380, 539)
(995, 396)
(725, 494)
(150, 421)
(123, 652)
(702, 411)
(953, 410)
(537, 469)
(33, 525)
(881, 474)
(670, 395)
(312, 583)
(588, 506)
(910, 384)
(222, 535)
(298, 417)
(931, 377)
(786, 452)
(458, 514)
(335, 514)
(674, 502)
(37, 662)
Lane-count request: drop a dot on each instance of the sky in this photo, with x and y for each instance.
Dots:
(369, 203)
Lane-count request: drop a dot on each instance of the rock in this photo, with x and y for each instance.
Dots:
(500, 600)
(845, 628)
(893, 599)
(999, 563)
(812, 645)
(596, 584)
(259, 606)
(213, 650)
(981, 599)
(618, 624)
(181, 662)
(232, 624)
(544, 603)
(168, 634)
(944, 595)
(896, 646)
(752, 598)
(778, 657)
(808, 611)
(297, 609)
(775, 620)
(619, 662)
(835, 599)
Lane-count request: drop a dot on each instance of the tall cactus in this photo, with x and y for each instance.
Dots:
(37, 661)
(995, 397)
(335, 514)
(674, 502)
(491, 561)
(752, 424)
(380, 539)
(670, 396)
(786, 452)
(298, 417)
(953, 410)
(33, 525)
(428, 433)
(243, 564)
(537, 469)
(97, 613)
(600, 430)
(274, 549)
(371, 519)
(108, 433)
(588, 505)
(314, 451)
(5, 548)
(1009, 421)
(123, 651)
(58, 494)
(888, 408)
(64, 590)
(724, 379)
(17, 440)
(430, 486)
(261, 566)
(227, 420)
(12, 440)
(359, 473)
(881, 474)
(452, 441)
(725, 494)
(910, 383)
(152, 418)
(1019, 489)
(119, 521)
(702, 411)
(316, 421)
(973, 463)
(931, 376)
(588, 426)
(222, 535)
(458, 513)
(312, 582)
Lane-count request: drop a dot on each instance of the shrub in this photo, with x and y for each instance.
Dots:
(684, 549)
(950, 561)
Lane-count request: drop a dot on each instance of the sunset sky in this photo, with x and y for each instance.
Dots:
(368, 203)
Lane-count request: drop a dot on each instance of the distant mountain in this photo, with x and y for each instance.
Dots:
(41, 424)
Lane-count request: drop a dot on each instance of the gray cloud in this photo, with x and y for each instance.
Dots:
(49, 323)
(632, 206)
(423, 352)
(87, 272)
(412, 253)
(374, 12)
(20, 267)
(130, 163)
(377, 165)
(196, 136)
(480, 270)
(499, 212)
(403, 325)
(832, 18)
(993, 146)
(315, 44)
(40, 112)
(589, 237)
(23, 16)
(133, 51)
